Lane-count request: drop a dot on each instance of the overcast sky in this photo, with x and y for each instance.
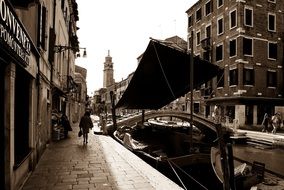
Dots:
(124, 27)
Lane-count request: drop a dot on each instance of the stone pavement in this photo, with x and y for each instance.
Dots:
(101, 164)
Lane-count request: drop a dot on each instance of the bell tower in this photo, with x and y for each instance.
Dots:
(108, 71)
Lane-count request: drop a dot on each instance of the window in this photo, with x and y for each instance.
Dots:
(233, 47)
(233, 19)
(42, 26)
(248, 76)
(196, 107)
(190, 21)
(272, 50)
(247, 46)
(47, 94)
(219, 52)
(220, 79)
(62, 4)
(271, 79)
(220, 26)
(233, 77)
(198, 38)
(271, 22)
(198, 15)
(208, 31)
(219, 3)
(248, 17)
(208, 8)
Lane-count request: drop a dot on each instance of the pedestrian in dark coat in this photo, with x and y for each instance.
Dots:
(85, 125)
(66, 125)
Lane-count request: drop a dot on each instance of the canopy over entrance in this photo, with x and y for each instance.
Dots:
(163, 75)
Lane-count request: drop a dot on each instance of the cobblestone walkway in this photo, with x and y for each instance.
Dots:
(101, 164)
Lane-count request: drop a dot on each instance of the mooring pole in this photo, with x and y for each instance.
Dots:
(223, 156)
(231, 166)
(143, 116)
(191, 93)
(112, 98)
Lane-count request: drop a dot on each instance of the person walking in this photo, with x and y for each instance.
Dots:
(216, 114)
(265, 122)
(276, 121)
(66, 124)
(86, 124)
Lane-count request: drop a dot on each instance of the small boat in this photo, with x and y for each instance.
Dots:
(166, 145)
(163, 141)
(245, 176)
(241, 169)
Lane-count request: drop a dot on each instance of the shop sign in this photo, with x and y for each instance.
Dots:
(12, 33)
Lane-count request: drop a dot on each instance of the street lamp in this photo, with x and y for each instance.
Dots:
(60, 48)
(84, 53)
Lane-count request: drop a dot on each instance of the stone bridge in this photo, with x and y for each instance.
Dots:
(206, 125)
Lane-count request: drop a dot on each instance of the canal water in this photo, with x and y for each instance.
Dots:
(197, 176)
(270, 156)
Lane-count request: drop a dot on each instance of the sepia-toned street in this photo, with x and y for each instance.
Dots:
(101, 164)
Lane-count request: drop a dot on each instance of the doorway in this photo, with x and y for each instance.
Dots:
(22, 110)
(249, 115)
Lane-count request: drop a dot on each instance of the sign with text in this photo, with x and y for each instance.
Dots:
(12, 33)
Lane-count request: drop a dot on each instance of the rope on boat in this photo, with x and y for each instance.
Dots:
(166, 79)
(177, 175)
(186, 174)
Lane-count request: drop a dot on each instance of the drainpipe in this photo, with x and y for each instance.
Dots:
(51, 72)
(68, 73)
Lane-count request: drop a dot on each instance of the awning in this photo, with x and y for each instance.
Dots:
(163, 76)
(245, 100)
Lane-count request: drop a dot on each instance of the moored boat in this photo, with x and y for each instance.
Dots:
(166, 145)
(246, 176)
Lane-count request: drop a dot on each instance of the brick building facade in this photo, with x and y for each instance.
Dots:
(245, 38)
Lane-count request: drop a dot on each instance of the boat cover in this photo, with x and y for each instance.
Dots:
(163, 75)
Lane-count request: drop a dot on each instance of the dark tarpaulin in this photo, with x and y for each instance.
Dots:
(163, 75)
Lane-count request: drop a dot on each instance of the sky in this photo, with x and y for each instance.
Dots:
(124, 27)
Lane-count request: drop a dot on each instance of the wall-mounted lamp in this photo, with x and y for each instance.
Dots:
(59, 48)
(84, 53)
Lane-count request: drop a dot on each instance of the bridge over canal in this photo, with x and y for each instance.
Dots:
(206, 125)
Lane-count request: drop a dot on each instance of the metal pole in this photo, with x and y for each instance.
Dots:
(191, 92)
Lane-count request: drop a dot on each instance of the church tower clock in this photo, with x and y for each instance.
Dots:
(108, 71)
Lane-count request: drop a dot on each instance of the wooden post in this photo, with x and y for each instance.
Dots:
(112, 98)
(143, 116)
(224, 158)
(231, 166)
